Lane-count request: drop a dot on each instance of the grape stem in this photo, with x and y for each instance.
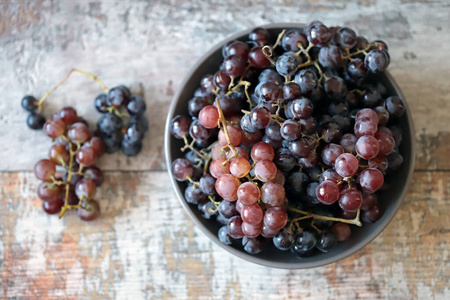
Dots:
(188, 145)
(69, 178)
(216, 204)
(354, 221)
(223, 124)
(95, 78)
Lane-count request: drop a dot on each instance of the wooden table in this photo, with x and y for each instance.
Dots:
(144, 246)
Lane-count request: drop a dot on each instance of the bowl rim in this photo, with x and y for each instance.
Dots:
(388, 215)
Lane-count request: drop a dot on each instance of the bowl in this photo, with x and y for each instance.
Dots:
(271, 257)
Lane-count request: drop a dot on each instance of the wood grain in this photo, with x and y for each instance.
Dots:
(144, 246)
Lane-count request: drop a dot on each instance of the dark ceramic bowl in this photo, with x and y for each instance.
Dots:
(389, 200)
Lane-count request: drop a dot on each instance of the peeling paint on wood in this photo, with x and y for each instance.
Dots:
(144, 246)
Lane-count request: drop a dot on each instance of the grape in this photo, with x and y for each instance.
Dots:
(136, 107)
(331, 132)
(287, 63)
(290, 130)
(29, 103)
(304, 243)
(59, 154)
(85, 189)
(35, 121)
(271, 76)
(330, 152)
(112, 142)
(247, 125)
(268, 233)
(90, 212)
(252, 245)
(68, 115)
(301, 108)
(86, 156)
(345, 37)
(194, 195)
(330, 175)
(252, 214)
(101, 103)
(330, 56)
(198, 132)
(309, 161)
(291, 91)
(371, 179)
(367, 147)
(79, 133)
(342, 231)
(369, 199)
(241, 152)
(109, 123)
(53, 207)
(327, 192)
(351, 199)
(356, 69)
(262, 151)
(207, 210)
(361, 43)
(260, 36)
(97, 144)
(54, 128)
(307, 80)
(383, 115)
(257, 58)
(207, 83)
(251, 231)
(386, 142)
(318, 34)
(265, 170)
(376, 61)
(326, 241)
(365, 126)
(239, 167)
(223, 235)
(380, 162)
(395, 107)
(367, 113)
(227, 209)
(284, 240)
(222, 80)
(234, 227)
(373, 214)
(300, 148)
(227, 186)
(260, 117)
(219, 167)
(308, 125)
(272, 193)
(335, 88)
(49, 192)
(118, 96)
(236, 48)
(280, 178)
(234, 135)
(291, 39)
(339, 109)
(371, 97)
(346, 165)
(275, 218)
(182, 169)
(268, 92)
(284, 160)
(234, 65)
(44, 170)
(395, 162)
(209, 117)
(95, 174)
(273, 132)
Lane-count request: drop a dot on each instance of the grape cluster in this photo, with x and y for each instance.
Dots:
(117, 135)
(289, 142)
(69, 177)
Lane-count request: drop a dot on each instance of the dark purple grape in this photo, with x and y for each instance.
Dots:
(90, 211)
(290, 130)
(331, 175)
(291, 91)
(131, 148)
(300, 148)
(236, 48)
(269, 75)
(307, 80)
(252, 245)
(308, 125)
(326, 240)
(207, 210)
(301, 108)
(318, 34)
(182, 168)
(373, 214)
(287, 63)
(345, 38)
(268, 92)
(207, 83)
(109, 123)
(395, 107)
(194, 195)
(351, 199)
(371, 98)
(330, 152)
(376, 61)
(383, 115)
(309, 161)
(207, 184)
(136, 107)
(224, 237)
(29, 103)
(284, 160)
(335, 88)
(356, 69)
(221, 80)
(331, 132)
(260, 117)
(330, 56)
(304, 243)
(291, 40)
(35, 121)
(284, 240)
(101, 103)
(179, 126)
(247, 125)
(234, 65)
(118, 96)
(260, 36)
(198, 132)
(257, 58)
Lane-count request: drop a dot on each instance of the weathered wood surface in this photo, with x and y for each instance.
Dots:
(144, 246)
